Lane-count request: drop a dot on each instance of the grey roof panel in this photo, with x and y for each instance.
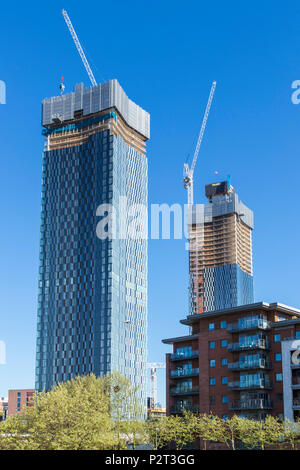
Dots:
(94, 99)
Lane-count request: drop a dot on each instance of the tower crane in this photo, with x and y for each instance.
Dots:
(188, 179)
(153, 366)
(79, 48)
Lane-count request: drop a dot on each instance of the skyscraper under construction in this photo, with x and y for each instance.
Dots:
(92, 305)
(220, 251)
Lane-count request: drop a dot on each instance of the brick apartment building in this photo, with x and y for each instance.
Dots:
(18, 400)
(231, 362)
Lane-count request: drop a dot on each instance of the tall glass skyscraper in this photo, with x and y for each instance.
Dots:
(220, 256)
(92, 304)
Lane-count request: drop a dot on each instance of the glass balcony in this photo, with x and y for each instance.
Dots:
(179, 409)
(251, 324)
(186, 355)
(251, 404)
(257, 384)
(174, 374)
(174, 391)
(247, 346)
(254, 364)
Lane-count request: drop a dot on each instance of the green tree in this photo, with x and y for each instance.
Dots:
(126, 409)
(232, 429)
(207, 428)
(180, 430)
(212, 428)
(135, 432)
(263, 433)
(74, 415)
(291, 433)
(158, 432)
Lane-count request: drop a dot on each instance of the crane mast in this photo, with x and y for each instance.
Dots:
(188, 179)
(79, 48)
(153, 366)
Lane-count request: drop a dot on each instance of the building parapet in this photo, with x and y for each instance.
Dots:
(88, 101)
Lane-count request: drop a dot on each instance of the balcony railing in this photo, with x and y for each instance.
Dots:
(259, 384)
(256, 324)
(254, 364)
(184, 391)
(181, 409)
(174, 374)
(182, 356)
(251, 404)
(259, 344)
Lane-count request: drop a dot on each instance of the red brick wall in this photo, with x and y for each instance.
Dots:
(13, 400)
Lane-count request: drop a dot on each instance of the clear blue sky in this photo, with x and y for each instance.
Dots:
(165, 54)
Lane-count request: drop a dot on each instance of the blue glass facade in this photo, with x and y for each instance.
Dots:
(92, 302)
(226, 286)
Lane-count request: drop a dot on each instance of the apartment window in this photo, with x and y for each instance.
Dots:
(185, 351)
(212, 345)
(212, 363)
(279, 318)
(224, 343)
(211, 326)
(279, 397)
(298, 334)
(278, 357)
(277, 338)
(224, 380)
(19, 401)
(223, 324)
(212, 400)
(224, 398)
(224, 361)
(212, 381)
(278, 377)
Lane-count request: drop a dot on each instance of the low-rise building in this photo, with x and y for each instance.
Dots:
(3, 408)
(18, 400)
(232, 363)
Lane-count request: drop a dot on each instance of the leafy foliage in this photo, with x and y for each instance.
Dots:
(105, 413)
